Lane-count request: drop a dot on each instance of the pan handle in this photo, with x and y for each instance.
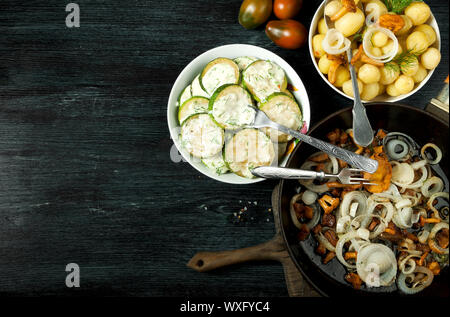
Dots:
(271, 250)
(439, 105)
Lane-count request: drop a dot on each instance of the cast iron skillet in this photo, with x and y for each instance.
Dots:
(285, 247)
(329, 279)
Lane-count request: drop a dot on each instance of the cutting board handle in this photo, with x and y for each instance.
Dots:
(271, 250)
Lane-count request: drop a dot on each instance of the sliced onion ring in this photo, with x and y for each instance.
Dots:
(438, 227)
(379, 257)
(335, 43)
(401, 281)
(373, 13)
(438, 153)
(392, 146)
(367, 44)
(432, 186)
(432, 199)
(408, 260)
(340, 247)
(417, 184)
(402, 173)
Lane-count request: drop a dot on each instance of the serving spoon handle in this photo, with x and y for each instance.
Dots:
(362, 130)
(355, 160)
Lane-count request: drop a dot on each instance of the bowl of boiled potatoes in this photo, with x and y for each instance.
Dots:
(395, 46)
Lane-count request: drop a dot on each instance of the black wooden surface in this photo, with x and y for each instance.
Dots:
(85, 172)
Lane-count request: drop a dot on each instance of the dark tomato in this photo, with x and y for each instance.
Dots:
(287, 9)
(288, 34)
(253, 13)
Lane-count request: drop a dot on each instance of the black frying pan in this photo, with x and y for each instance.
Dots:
(329, 279)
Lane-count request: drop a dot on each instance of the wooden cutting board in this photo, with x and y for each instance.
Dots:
(274, 249)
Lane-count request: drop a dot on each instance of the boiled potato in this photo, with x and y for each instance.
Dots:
(376, 51)
(342, 75)
(369, 74)
(322, 26)
(324, 64)
(370, 91)
(431, 58)
(405, 29)
(389, 74)
(392, 91)
(410, 67)
(333, 7)
(317, 45)
(382, 89)
(418, 12)
(389, 47)
(428, 31)
(347, 87)
(420, 75)
(379, 39)
(402, 44)
(350, 23)
(417, 42)
(404, 84)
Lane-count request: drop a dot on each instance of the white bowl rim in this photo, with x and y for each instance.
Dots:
(432, 22)
(300, 94)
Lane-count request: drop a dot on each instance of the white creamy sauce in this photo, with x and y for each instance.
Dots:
(201, 137)
(216, 163)
(244, 61)
(250, 148)
(219, 75)
(197, 90)
(195, 105)
(264, 79)
(233, 109)
(282, 113)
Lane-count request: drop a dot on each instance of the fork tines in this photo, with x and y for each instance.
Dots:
(358, 180)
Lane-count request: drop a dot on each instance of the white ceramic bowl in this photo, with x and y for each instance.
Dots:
(385, 97)
(195, 67)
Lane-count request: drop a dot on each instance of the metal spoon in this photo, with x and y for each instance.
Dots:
(355, 160)
(362, 130)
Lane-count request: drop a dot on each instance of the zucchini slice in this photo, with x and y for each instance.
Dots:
(230, 106)
(201, 136)
(263, 78)
(284, 110)
(244, 61)
(249, 148)
(219, 72)
(185, 95)
(217, 164)
(197, 90)
(289, 93)
(192, 106)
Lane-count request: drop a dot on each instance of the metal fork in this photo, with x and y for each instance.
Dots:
(347, 176)
(355, 160)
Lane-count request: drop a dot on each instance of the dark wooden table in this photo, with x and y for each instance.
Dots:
(85, 172)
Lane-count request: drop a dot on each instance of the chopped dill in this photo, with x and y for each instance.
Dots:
(358, 37)
(398, 6)
(403, 61)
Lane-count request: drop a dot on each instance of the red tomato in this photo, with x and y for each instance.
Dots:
(287, 9)
(288, 34)
(253, 13)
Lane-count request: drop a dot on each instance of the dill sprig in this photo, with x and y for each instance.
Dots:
(403, 61)
(358, 37)
(397, 6)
